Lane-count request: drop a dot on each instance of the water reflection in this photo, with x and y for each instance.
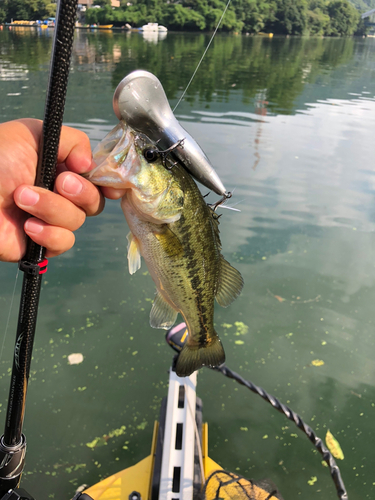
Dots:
(277, 69)
(154, 36)
(13, 72)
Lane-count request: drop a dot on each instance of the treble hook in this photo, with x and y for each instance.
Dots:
(174, 146)
(166, 152)
(226, 196)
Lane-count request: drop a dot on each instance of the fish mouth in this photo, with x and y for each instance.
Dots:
(115, 158)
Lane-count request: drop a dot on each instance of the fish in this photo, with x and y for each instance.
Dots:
(177, 234)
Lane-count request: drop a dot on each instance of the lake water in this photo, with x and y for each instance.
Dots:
(289, 124)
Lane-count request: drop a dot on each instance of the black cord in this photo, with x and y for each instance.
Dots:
(291, 415)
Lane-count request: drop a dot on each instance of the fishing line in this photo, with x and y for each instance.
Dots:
(231, 207)
(10, 310)
(204, 53)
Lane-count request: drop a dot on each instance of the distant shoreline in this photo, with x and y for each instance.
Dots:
(138, 30)
(44, 26)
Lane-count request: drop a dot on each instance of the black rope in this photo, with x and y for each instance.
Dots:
(294, 417)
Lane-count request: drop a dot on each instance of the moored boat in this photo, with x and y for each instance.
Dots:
(153, 27)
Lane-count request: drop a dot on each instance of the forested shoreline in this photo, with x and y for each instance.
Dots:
(286, 17)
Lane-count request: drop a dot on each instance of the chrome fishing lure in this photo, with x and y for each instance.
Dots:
(140, 101)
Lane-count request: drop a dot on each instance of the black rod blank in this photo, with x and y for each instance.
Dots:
(13, 443)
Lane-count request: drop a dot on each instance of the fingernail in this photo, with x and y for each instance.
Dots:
(72, 185)
(28, 197)
(86, 164)
(33, 226)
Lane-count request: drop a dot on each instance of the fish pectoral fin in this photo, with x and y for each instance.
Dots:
(169, 242)
(162, 315)
(134, 255)
(230, 284)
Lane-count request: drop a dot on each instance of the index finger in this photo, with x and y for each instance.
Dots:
(74, 148)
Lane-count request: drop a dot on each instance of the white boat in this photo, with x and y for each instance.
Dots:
(153, 27)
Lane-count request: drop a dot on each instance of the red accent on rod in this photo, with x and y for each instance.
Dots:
(42, 265)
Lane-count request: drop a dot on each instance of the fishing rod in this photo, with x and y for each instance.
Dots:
(34, 263)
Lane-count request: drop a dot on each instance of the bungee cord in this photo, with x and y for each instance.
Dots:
(294, 417)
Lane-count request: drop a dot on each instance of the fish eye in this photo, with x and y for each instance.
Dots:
(150, 155)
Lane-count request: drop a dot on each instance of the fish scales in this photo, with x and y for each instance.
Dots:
(189, 280)
(177, 234)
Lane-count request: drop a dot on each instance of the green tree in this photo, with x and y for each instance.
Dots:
(254, 14)
(344, 18)
(91, 16)
(211, 11)
(51, 9)
(103, 3)
(28, 10)
(361, 29)
(3, 14)
(290, 17)
(178, 17)
(318, 22)
(136, 15)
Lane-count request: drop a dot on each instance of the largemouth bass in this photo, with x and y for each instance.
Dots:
(177, 234)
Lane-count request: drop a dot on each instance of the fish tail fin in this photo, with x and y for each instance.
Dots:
(192, 358)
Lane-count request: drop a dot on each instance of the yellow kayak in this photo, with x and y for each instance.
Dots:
(178, 466)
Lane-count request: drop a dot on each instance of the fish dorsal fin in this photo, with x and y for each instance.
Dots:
(230, 283)
(162, 315)
(134, 255)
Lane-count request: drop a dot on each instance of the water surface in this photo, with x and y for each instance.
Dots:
(288, 123)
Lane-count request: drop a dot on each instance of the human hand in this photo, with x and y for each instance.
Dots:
(55, 215)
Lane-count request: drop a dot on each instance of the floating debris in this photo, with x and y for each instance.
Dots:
(226, 325)
(74, 468)
(317, 362)
(75, 358)
(242, 329)
(292, 302)
(142, 426)
(102, 441)
(82, 488)
(280, 299)
(334, 446)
